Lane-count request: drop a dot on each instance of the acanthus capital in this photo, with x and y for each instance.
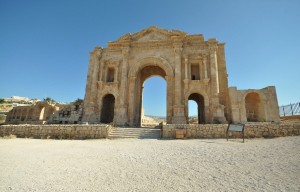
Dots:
(125, 51)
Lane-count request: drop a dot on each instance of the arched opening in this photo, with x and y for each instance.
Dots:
(30, 114)
(199, 99)
(42, 113)
(50, 112)
(193, 112)
(254, 108)
(108, 107)
(153, 101)
(157, 93)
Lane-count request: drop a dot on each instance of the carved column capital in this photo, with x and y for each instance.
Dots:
(125, 51)
(212, 49)
(177, 44)
(98, 52)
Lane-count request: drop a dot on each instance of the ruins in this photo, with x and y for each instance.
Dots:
(193, 68)
(46, 113)
(38, 113)
(68, 114)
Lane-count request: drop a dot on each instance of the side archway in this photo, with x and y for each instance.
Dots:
(199, 99)
(108, 108)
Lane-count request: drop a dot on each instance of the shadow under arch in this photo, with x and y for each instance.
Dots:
(108, 108)
(151, 61)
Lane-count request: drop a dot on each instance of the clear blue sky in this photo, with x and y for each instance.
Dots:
(45, 45)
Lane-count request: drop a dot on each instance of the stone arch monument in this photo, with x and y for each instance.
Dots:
(194, 69)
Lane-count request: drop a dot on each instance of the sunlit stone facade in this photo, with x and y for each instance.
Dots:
(194, 69)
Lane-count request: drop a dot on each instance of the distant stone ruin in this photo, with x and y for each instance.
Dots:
(37, 113)
(46, 113)
(68, 114)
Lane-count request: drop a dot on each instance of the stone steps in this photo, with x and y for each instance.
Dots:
(139, 133)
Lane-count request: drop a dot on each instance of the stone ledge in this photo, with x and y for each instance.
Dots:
(252, 130)
(74, 131)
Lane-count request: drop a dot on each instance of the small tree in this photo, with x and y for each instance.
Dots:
(78, 101)
(49, 100)
(2, 100)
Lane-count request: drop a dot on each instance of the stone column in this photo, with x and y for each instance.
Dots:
(116, 73)
(122, 118)
(214, 69)
(21, 114)
(105, 69)
(200, 70)
(205, 67)
(141, 108)
(90, 100)
(101, 71)
(178, 107)
(170, 90)
(186, 68)
(27, 114)
(131, 98)
(216, 108)
(187, 76)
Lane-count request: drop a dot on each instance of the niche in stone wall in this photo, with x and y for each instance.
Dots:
(110, 74)
(195, 75)
(254, 107)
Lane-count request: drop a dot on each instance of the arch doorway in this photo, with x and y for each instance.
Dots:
(199, 99)
(144, 74)
(108, 108)
(153, 101)
(254, 107)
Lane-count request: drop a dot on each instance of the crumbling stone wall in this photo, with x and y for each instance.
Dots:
(252, 130)
(254, 105)
(38, 113)
(56, 131)
(69, 114)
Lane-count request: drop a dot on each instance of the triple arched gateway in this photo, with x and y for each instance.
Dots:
(194, 69)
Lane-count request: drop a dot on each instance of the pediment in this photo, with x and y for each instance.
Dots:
(151, 34)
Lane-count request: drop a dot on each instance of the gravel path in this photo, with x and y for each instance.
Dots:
(150, 165)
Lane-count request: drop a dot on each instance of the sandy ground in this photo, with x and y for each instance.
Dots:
(150, 165)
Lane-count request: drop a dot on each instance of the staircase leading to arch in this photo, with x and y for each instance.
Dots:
(139, 133)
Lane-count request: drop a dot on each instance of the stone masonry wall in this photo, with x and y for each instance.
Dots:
(252, 130)
(56, 131)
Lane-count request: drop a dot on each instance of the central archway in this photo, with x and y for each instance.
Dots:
(154, 101)
(145, 74)
(138, 74)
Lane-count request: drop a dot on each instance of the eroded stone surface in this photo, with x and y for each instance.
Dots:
(194, 69)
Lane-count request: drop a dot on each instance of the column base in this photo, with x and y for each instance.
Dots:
(179, 120)
(218, 114)
(179, 117)
(121, 116)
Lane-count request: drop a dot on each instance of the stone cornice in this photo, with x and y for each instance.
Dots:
(172, 38)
